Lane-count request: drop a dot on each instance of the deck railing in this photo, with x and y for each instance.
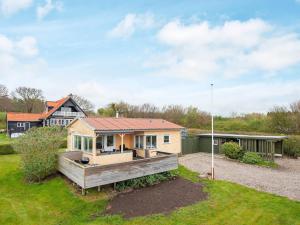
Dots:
(73, 114)
(98, 175)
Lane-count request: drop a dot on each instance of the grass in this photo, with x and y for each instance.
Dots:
(55, 202)
(2, 120)
(4, 139)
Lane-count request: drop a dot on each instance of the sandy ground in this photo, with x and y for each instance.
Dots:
(284, 181)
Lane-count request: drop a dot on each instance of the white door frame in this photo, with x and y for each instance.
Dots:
(109, 148)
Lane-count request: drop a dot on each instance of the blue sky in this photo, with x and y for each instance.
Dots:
(161, 52)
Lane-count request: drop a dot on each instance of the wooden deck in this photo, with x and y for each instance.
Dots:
(95, 176)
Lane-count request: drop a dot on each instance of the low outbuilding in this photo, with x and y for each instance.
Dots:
(266, 146)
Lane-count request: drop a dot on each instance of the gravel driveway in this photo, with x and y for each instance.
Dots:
(284, 180)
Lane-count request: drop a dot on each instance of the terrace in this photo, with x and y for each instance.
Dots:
(95, 175)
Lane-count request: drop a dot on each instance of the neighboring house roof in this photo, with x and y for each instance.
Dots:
(117, 124)
(22, 117)
(55, 106)
(244, 136)
(51, 103)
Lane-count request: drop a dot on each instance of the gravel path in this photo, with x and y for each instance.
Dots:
(284, 180)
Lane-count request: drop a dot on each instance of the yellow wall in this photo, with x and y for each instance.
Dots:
(106, 159)
(81, 128)
(127, 140)
(175, 141)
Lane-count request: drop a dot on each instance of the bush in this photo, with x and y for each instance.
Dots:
(232, 150)
(145, 181)
(38, 148)
(291, 146)
(6, 149)
(252, 158)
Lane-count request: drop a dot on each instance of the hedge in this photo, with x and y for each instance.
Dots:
(6, 149)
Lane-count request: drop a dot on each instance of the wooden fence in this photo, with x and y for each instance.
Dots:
(190, 145)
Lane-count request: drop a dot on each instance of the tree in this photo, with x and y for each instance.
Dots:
(84, 104)
(30, 100)
(281, 120)
(3, 91)
(295, 109)
(38, 149)
(5, 102)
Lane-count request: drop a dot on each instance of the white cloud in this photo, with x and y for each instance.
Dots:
(27, 46)
(201, 51)
(18, 56)
(9, 7)
(49, 6)
(131, 22)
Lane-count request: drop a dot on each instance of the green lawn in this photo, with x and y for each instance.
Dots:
(4, 139)
(54, 202)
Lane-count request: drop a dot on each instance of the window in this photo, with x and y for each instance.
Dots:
(77, 142)
(110, 141)
(166, 139)
(139, 141)
(216, 142)
(87, 144)
(20, 124)
(150, 141)
(66, 109)
(99, 142)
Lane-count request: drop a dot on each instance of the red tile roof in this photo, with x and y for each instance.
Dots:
(55, 106)
(110, 124)
(13, 116)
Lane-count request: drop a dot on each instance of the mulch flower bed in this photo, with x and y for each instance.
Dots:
(161, 198)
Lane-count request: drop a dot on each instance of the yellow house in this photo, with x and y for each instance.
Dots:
(115, 140)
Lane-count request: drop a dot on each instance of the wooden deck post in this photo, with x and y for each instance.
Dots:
(99, 188)
(122, 142)
(82, 191)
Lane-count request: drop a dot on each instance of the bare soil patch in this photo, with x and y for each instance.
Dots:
(161, 198)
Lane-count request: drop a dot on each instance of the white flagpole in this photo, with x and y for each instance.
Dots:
(212, 133)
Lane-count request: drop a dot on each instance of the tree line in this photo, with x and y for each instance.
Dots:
(279, 119)
(32, 100)
(186, 116)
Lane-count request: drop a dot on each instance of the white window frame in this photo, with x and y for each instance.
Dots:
(21, 124)
(82, 144)
(140, 140)
(167, 135)
(151, 136)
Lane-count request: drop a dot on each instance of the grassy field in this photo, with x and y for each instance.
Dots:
(55, 202)
(4, 139)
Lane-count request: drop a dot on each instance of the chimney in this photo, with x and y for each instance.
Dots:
(117, 114)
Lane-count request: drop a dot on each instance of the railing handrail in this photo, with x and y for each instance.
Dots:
(62, 113)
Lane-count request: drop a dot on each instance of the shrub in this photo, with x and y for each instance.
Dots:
(291, 146)
(252, 158)
(232, 150)
(38, 148)
(6, 149)
(145, 181)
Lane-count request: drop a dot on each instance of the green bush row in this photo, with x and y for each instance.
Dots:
(233, 151)
(145, 181)
(6, 149)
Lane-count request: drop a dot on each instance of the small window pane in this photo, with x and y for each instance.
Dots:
(166, 139)
(99, 142)
(110, 141)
